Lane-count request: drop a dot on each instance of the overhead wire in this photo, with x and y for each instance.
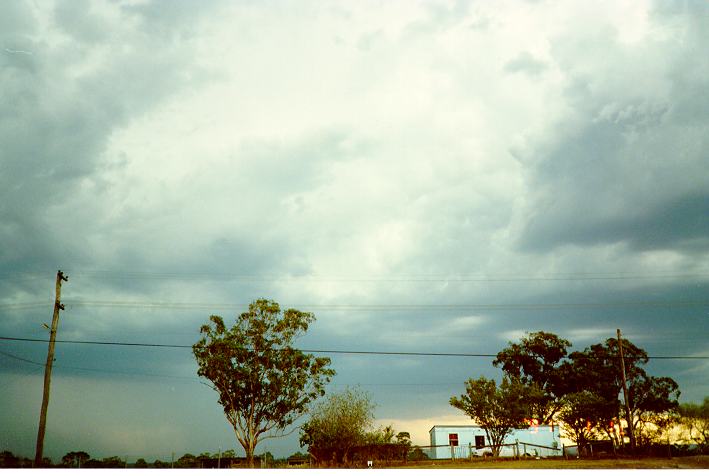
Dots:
(314, 351)
(580, 276)
(89, 369)
(143, 374)
(24, 305)
(369, 307)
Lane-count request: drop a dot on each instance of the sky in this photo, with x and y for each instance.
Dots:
(440, 177)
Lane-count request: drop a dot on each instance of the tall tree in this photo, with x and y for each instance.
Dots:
(498, 410)
(535, 361)
(263, 382)
(596, 369)
(337, 424)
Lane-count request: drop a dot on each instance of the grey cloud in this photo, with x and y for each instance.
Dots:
(179, 21)
(525, 63)
(440, 17)
(16, 23)
(76, 19)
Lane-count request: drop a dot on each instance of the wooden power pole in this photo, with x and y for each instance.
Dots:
(48, 369)
(628, 416)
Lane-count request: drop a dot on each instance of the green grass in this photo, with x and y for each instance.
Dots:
(686, 462)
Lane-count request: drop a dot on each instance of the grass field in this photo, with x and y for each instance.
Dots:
(687, 462)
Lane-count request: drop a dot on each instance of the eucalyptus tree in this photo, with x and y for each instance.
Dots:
(498, 410)
(263, 382)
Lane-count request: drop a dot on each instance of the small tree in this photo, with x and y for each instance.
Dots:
(695, 418)
(417, 454)
(75, 459)
(264, 384)
(403, 438)
(336, 425)
(187, 460)
(9, 460)
(113, 462)
(498, 410)
(654, 400)
(160, 464)
(584, 413)
(381, 436)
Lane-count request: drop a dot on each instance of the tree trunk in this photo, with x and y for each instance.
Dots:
(249, 448)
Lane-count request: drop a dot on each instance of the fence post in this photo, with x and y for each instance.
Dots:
(517, 449)
(470, 451)
(524, 445)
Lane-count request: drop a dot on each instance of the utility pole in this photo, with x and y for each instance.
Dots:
(48, 369)
(628, 416)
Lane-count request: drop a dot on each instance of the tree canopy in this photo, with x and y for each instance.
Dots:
(536, 361)
(75, 459)
(596, 369)
(263, 382)
(583, 388)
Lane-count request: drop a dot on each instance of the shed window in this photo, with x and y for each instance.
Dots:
(479, 441)
(453, 439)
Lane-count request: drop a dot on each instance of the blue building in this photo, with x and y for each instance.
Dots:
(465, 441)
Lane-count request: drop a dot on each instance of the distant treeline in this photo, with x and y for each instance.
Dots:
(81, 459)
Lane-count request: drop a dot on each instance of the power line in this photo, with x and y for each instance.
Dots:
(366, 307)
(89, 369)
(401, 278)
(317, 351)
(393, 307)
(25, 305)
(12, 356)
(126, 372)
(392, 384)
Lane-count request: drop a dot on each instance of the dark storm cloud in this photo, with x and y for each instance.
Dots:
(679, 224)
(151, 180)
(55, 124)
(629, 166)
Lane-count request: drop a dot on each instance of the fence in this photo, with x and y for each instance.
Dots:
(606, 448)
(518, 449)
